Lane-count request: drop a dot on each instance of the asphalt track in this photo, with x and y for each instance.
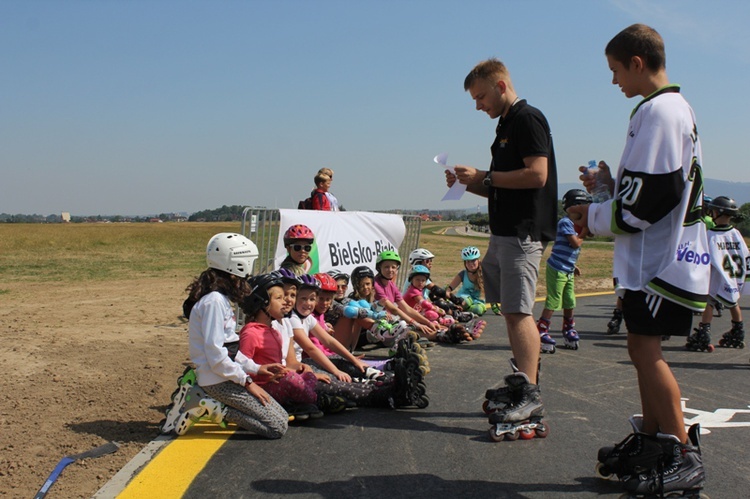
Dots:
(444, 450)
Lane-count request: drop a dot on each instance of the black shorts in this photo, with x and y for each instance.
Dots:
(651, 315)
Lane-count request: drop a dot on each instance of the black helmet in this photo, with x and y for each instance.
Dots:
(575, 197)
(360, 273)
(723, 205)
(258, 298)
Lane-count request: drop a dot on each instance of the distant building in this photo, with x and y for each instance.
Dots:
(65, 216)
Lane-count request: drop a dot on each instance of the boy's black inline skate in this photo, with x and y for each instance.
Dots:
(678, 472)
(613, 326)
(522, 416)
(735, 337)
(638, 452)
(700, 339)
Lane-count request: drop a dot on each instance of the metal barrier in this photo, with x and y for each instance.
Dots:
(261, 225)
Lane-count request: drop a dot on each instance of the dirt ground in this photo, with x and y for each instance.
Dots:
(82, 366)
(85, 365)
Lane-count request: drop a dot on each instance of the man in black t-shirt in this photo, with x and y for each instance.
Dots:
(521, 187)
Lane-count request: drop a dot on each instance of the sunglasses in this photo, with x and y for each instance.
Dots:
(302, 247)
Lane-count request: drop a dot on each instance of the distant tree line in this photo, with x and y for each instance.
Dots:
(233, 213)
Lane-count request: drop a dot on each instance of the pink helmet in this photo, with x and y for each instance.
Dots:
(298, 231)
(327, 283)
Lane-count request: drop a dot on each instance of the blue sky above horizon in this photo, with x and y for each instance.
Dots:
(122, 107)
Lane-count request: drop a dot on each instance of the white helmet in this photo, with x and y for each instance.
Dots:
(419, 255)
(232, 253)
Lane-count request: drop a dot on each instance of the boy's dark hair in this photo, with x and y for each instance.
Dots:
(641, 41)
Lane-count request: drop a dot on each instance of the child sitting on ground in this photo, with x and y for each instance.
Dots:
(404, 388)
(298, 241)
(388, 296)
(414, 297)
(294, 389)
(730, 266)
(468, 285)
(219, 389)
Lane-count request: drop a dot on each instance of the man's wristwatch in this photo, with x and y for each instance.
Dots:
(487, 180)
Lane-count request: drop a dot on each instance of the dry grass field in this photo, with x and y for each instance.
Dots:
(92, 338)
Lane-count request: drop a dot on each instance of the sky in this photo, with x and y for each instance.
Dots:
(148, 107)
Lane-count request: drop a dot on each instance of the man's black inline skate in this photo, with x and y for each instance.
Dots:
(498, 398)
(735, 337)
(700, 339)
(522, 416)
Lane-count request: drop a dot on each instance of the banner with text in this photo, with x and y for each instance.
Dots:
(343, 239)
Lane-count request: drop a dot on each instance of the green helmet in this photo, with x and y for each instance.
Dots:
(385, 256)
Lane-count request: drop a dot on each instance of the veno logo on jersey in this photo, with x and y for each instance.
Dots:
(684, 253)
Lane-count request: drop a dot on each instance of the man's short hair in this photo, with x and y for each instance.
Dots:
(641, 41)
(491, 70)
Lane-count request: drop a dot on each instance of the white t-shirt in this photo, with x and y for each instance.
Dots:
(307, 324)
(286, 331)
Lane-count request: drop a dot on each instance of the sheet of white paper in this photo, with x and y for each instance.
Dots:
(455, 192)
(458, 189)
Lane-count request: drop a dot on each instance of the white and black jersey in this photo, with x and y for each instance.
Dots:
(655, 215)
(730, 262)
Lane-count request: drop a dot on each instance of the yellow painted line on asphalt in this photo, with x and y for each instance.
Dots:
(171, 471)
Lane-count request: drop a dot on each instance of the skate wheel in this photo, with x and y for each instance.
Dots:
(486, 407)
(526, 434)
(512, 436)
(603, 472)
(722, 343)
(542, 431)
(495, 437)
(710, 348)
(422, 402)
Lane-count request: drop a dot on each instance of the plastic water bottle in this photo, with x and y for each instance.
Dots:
(600, 193)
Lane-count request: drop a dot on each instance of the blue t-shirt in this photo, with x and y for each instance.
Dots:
(563, 257)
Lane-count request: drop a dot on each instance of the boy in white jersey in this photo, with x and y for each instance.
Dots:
(730, 265)
(661, 259)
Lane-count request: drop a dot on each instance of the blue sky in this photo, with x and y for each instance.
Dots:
(136, 107)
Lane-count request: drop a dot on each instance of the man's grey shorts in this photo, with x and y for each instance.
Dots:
(510, 270)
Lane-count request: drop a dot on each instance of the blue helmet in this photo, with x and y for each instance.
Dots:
(419, 270)
(470, 253)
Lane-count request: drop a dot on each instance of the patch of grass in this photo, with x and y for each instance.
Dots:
(95, 252)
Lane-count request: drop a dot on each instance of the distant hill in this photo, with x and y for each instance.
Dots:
(739, 191)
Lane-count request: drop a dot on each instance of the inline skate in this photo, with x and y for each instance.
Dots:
(679, 471)
(547, 342)
(638, 452)
(700, 339)
(498, 398)
(613, 326)
(189, 405)
(570, 335)
(522, 416)
(409, 389)
(735, 337)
